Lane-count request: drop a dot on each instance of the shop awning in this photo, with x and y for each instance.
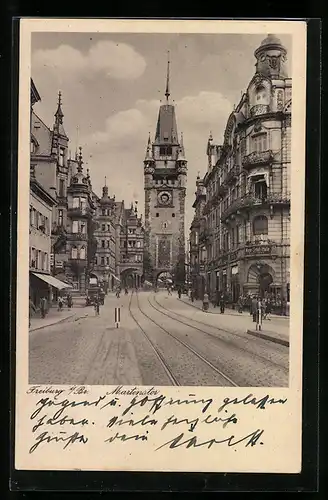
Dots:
(51, 280)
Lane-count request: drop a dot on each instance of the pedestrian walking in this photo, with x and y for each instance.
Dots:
(118, 292)
(254, 308)
(60, 303)
(126, 291)
(205, 302)
(97, 306)
(169, 290)
(69, 301)
(222, 304)
(240, 304)
(43, 307)
(179, 292)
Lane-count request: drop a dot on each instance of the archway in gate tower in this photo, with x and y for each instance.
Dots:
(163, 279)
(130, 278)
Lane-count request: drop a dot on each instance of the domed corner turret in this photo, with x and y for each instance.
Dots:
(271, 57)
(80, 180)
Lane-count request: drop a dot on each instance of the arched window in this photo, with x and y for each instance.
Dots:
(82, 253)
(260, 225)
(74, 253)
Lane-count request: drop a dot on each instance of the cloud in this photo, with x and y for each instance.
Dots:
(115, 60)
(206, 111)
(122, 126)
(120, 144)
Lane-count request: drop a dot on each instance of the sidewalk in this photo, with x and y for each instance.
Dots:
(276, 329)
(52, 318)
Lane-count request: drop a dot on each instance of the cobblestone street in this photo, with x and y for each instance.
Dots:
(161, 340)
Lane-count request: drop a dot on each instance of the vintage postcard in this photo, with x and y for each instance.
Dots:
(160, 284)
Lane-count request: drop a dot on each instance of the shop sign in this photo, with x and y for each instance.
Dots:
(258, 250)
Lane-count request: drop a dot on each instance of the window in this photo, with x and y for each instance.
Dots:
(32, 147)
(260, 225)
(103, 227)
(83, 227)
(75, 226)
(259, 143)
(108, 227)
(164, 225)
(173, 215)
(46, 261)
(61, 188)
(103, 212)
(74, 253)
(138, 244)
(157, 214)
(102, 261)
(260, 190)
(60, 217)
(76, 202)
(165, 151)
(102, 243)
(107, 261)
(82, 253)
(61, 157)
(261, 95)
(31, 216)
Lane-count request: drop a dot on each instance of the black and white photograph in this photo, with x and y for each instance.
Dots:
(160, 209)
(161, 174)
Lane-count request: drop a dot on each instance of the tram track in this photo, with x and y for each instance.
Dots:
(214, 336)
(181, 342)
(158, 354)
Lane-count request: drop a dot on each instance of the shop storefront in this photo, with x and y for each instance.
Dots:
(235, 283)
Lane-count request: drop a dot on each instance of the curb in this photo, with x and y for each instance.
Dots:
(52, 324)
(276, 340)
(229, 314)
(211, 312)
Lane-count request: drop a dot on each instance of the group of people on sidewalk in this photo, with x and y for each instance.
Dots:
(44, 306)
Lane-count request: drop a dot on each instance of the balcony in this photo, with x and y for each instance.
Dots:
(257, 158)
(232, 175)
(250, 251)
(260, 109)
(77, 237)
(78, 264)
(204, 235)
(78, 212)
(249, 201)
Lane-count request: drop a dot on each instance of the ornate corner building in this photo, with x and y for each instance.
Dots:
(165, 176)
(240, 236)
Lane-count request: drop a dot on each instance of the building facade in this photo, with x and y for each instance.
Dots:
(41, 207)
(131, 247)
(165, 176)
(105, 266)
(247, 208)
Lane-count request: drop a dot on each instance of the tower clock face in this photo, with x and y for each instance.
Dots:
(164, 198)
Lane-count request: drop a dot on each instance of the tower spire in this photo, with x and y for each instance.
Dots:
(80, 161)
(167, 90)
(59, 113)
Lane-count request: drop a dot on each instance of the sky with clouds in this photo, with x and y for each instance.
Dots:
(112, 85)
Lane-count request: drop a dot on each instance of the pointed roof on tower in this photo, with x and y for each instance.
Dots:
(166, 130)
(59, 115)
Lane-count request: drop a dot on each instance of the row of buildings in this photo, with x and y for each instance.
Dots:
(240, 233)
(75, 234)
